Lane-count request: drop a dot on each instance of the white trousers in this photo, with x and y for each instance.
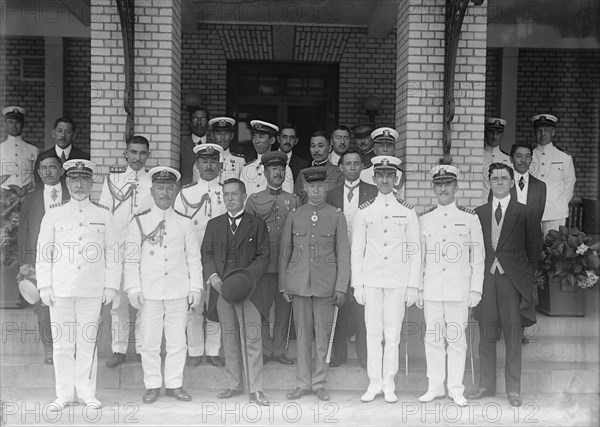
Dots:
(446, 323)
(75, 328)
(202, 339)
(384, 312)
(168, 316)
(120, 325)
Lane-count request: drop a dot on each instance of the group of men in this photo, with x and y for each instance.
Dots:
(327, 242)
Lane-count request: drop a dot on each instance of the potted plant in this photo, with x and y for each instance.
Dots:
(569, 265)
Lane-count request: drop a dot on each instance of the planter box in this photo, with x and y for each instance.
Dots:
(554, 301)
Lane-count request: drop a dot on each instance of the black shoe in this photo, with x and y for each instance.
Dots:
(151, 395)
(178, 393)
(480, 394)
(514, 399)
(49, 360)
(283, 359)
(322, 394)
(334, 363)
(193, 361)
(297, 393)
(259, 398)
(115, 360)
(229, 393)
(215, 361)
(266, 359)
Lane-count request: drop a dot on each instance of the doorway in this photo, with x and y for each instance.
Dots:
(300, 93)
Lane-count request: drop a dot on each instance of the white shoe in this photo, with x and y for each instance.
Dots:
(390, 397)
(91, 402)
(459, 399)
(431, 395)
(59, 404)
(369, 396)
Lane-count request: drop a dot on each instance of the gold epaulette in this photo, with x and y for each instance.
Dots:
(467, 210)
(250, 162)
(182, 214)
(100, 206)
(405, 204)
(563, 150)
(237, 155)
(117, 168)
(431, 209)
(54, 205)
(367, 203)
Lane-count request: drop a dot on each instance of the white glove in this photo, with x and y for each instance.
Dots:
(419, 302)
(194, 299)
(474, 298)
(47, 296)
(136, 300)
(108, 295)
(359, 295)
(412, 294)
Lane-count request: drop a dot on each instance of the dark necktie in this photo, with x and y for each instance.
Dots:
(498, 213)
(350, 191)
(63, 158)
(234, 223)
(521, 184)
(54, 194)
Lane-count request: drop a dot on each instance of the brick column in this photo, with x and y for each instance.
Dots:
(420, 88)
(157, 80)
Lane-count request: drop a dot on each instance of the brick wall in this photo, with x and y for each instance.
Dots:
(565, 83)
(492, 82)
(15, 91)
(76, 87)
(367, 65)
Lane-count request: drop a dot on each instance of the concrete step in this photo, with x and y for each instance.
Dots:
(537, 377)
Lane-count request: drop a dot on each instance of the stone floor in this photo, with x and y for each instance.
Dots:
(22, 406)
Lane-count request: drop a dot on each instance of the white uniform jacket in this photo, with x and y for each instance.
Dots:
(385, 244)
(453, 253)
(201, 201)
(555, 168)
(162, 259)
(232, 165)
(18, 160)
(78, 250)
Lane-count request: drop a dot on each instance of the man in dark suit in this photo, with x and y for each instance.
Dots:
(287, 139)
(512, 251)
(351, 317)
(34, 206)
(63, 134)
(187, 157)
(237, 240)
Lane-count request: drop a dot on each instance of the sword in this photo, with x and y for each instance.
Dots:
(98, 333)
(287, 339)
(335, 315)
(471, 339)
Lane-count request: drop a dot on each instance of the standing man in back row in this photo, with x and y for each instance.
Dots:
(222, 131)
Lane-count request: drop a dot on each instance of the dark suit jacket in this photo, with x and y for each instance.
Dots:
(366, 192)
(252, 252)
(32, 212)
(187, 158)
(75, 153)
(296, 164)
(518, 251)
(536, 197)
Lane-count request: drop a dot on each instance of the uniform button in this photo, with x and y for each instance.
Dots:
(78, 267)
(312, 247)
(311, 260)
(443, 269)
(312, 235)
(80, 238)
(81, 224)
(165, 246)
(444, 226)
(385, 231)
(445, 214)
(386, 205)
(166, 274)
(166, 259)
(385, 244)
(443, 240)
(384, 257)
(80, 211)
(79, 252)
(314, 224)
(386, 217)
(543, 164)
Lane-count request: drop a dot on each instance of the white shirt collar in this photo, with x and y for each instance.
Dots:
(59, 150)
(449, 207)
(235, 214)
(161, 213)
(518, 176)
(49, 188)
(77, 204)
(503, 202)
(353, 183)
(15, 139)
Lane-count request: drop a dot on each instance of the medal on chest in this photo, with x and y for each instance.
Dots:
(314, 217)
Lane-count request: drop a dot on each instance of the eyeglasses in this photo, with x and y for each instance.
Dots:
(496, 180)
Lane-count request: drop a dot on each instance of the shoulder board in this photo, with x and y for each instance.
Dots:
(250, 162)
(367, 203)
(100, 206)
(236, 154)
(465, 209)
(405, 204)
(431, 209)
(563, 150)
(191, 184)
(117, 169)
(59, 203)
(142, 212)
(182, 214)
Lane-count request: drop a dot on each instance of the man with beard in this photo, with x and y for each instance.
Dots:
(320, 146)
(18, 155)
(288, 138)
(163, 278)
(126, 193)
(78, 269)
(202, 201)
(222, 131)
(253, 173)
(198, 122)
(340, 142)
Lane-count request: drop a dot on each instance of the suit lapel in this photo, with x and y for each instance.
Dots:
(510, 218)
(486, 223)
(245, 224)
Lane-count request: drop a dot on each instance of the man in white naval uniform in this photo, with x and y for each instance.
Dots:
(492, 152)
(126, 193)
(253, 173)
(78, 268)
(386, 266)
(163, 277)
(453, 259)
(202, 201)
(222, 131)
(18, 155)
(554, 167)
(384, 144)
